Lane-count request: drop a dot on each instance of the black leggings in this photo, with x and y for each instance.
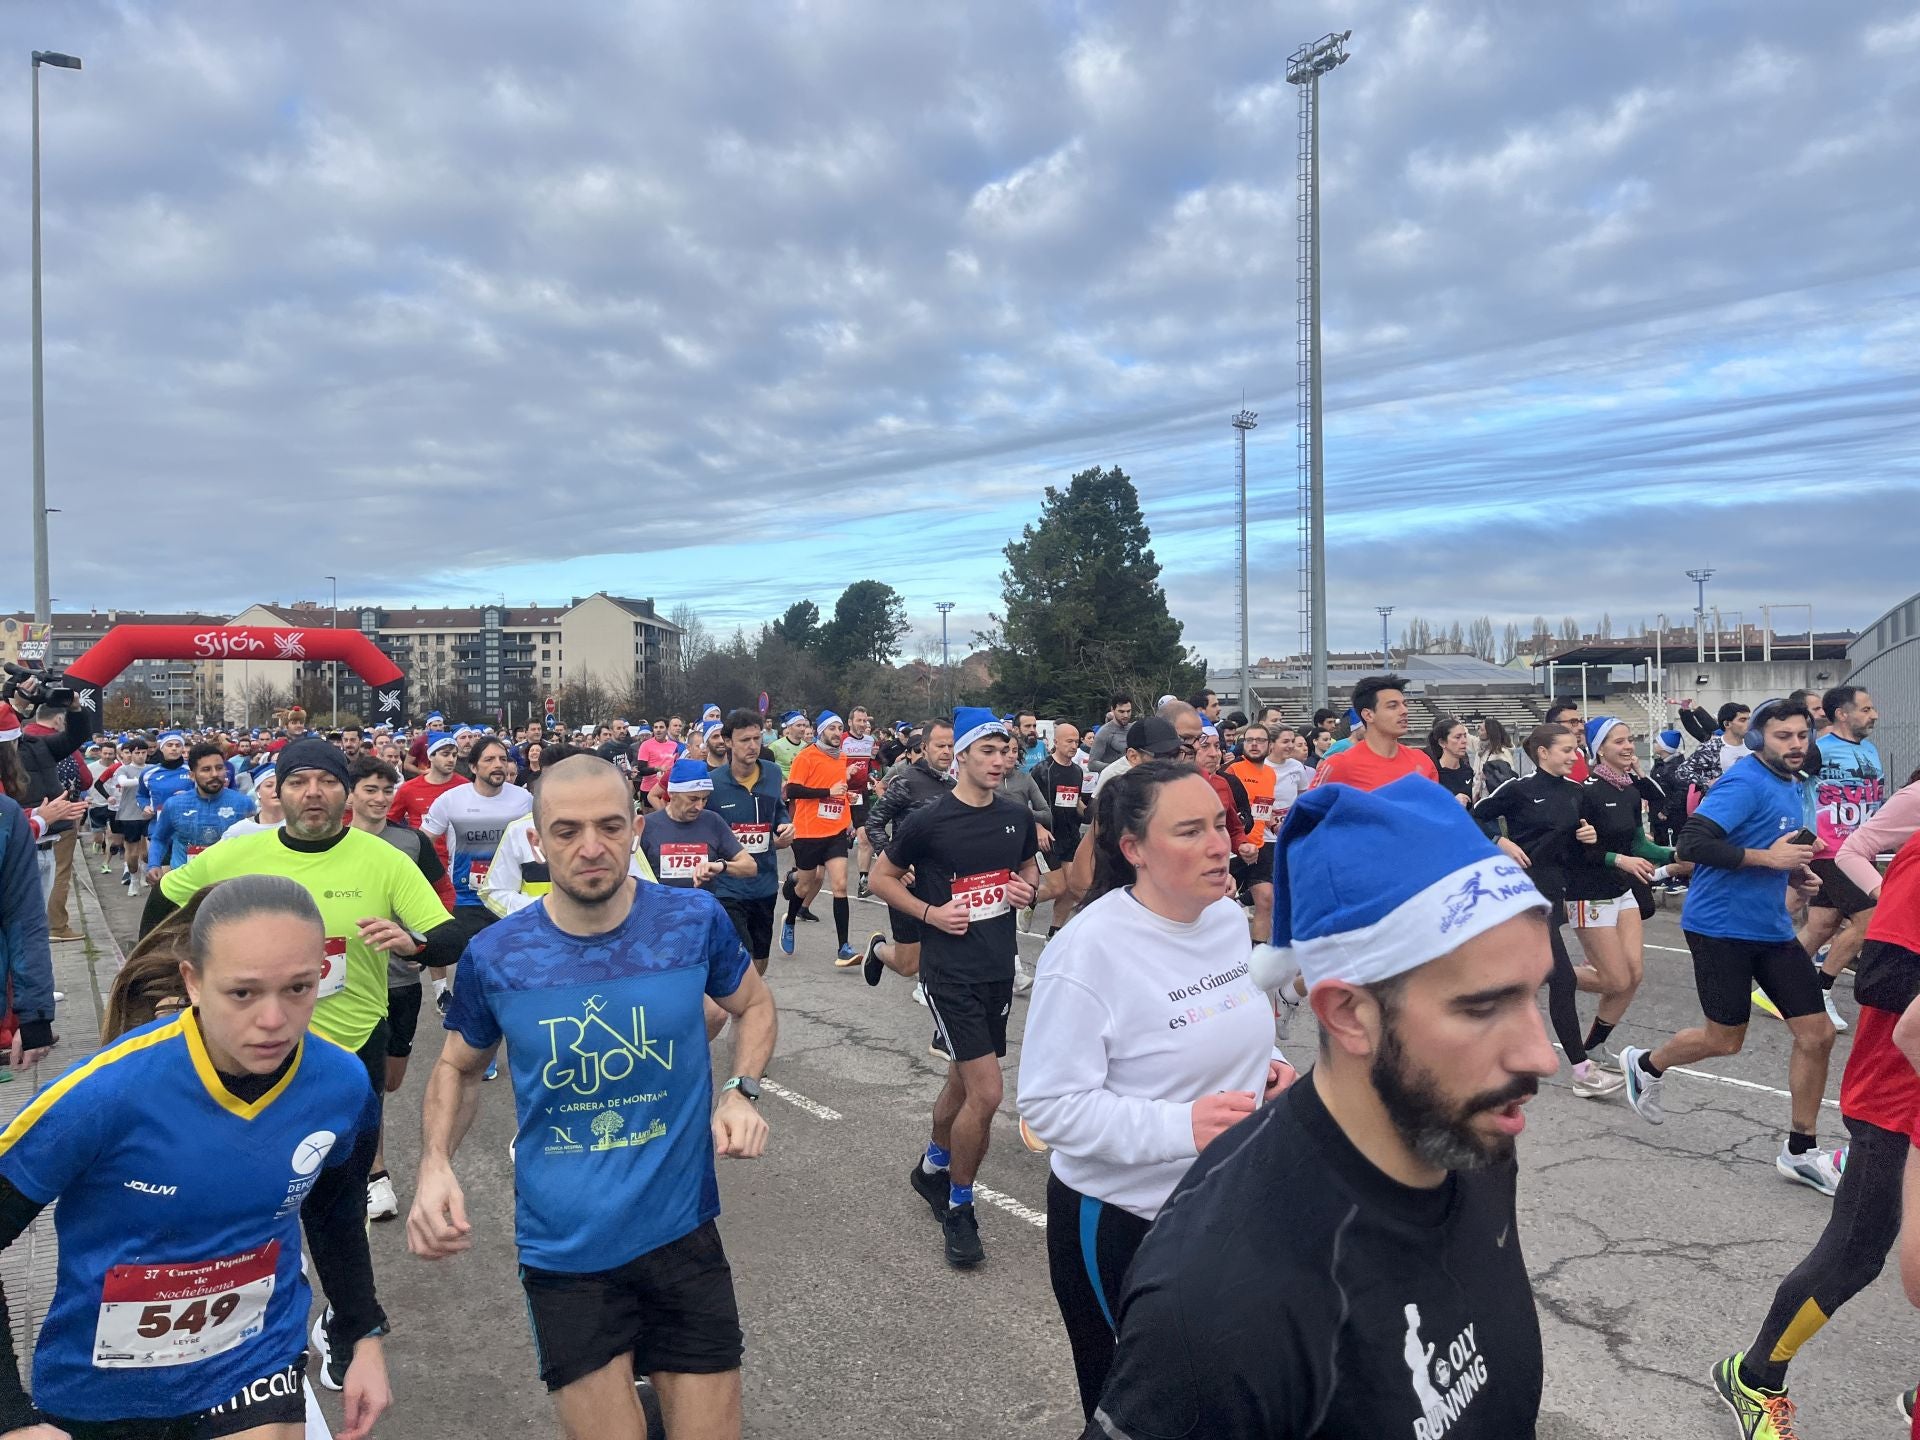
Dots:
(1561, 989)
(1089, 1246)
(1860, 1233)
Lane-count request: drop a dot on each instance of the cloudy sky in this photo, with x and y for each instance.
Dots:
(733, 305)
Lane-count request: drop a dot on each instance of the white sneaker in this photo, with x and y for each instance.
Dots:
(1643, 1090)
(1833, 1012)
(919, 993)
(382, 1203)
(1818, 1169)
(1598, 1083)
(1022, 978)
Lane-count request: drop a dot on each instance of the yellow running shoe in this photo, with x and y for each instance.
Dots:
(1762, 1414)
(1763, 1004)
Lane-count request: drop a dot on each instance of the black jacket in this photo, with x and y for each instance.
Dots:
(906, 792)
(41, 754)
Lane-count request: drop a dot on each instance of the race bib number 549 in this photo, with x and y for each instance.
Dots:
(153, 1315)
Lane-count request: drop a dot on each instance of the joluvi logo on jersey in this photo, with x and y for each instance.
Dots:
(593, 1049)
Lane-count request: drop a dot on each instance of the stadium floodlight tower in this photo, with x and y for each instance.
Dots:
(1699, 578)
(1304, 69)
(1243, 422)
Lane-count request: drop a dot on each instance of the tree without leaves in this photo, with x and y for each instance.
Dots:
(1570, 630)
(1480, 637)
(1510, 640)
(1083, 611)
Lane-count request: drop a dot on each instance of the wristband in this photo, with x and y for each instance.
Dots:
(926, 912)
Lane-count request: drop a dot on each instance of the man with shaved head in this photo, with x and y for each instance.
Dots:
(598, 991)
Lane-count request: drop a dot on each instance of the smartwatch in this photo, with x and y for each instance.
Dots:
(746, 1085)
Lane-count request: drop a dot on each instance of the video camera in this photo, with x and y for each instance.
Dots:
(49, 687)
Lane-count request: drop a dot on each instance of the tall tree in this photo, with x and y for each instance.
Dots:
(1570, 630)
(800, 626)
(1480, 637)
(869, 621)
(1510, 641)
(1083, 611)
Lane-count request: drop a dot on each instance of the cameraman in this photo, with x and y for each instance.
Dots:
(55, 727)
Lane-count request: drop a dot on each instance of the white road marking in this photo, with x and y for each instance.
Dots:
(1734, 1081)
(1012, 1206)
(795, 1098)
(1670, 949)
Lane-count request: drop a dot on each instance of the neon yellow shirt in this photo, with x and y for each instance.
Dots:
(359, 876)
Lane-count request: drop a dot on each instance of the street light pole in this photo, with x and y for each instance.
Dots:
(333, 622)
(945, 607)
(1386, 658)
(42, 579)
(1242, 423)
(1700, 578)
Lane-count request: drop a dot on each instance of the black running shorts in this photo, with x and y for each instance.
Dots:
(672, 1309)
(1257, 871)
(906, 928)
(132, 830)
(752, 922)
(1725, 972)
(971, 1018)
(1837, 892)
(98, 817)
(812, 854)
(403, 1018)
(276, 1399)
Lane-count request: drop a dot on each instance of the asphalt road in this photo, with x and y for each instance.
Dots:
(1654, 1251)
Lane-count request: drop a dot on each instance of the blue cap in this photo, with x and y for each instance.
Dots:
(976, 722)
(689, 777)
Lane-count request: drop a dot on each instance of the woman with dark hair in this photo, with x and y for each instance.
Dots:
(1541, 816)
(189, 1317)
(1447, 748)
(1496, 758)
(1145, 1040)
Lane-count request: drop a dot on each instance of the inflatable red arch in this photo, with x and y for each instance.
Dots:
(123, 644)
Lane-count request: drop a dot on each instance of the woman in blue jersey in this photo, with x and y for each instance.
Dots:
(185, 1158)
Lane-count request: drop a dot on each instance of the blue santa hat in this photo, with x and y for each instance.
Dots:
(1354, 722)
(710, 712)
(1598, 729)
(438, 741)
(976, 722)
(825, 716)
(689, 777)
(1669, 741)
(435, 720)
(791, 716)
(166, 735)
(1434, 883)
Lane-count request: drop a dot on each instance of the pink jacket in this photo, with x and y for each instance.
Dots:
(1892, 826)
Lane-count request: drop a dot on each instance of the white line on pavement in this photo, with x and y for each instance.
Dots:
(1010, 1205)
(1670, 949)
(1726, 1080)
(794, 1097)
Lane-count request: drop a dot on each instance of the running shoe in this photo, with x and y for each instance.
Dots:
(846, 956)
(1904, 1403)
(874, 968)
(382, 1203)
(919, 993)
(1833, 1012)
(1598, 1083)
(1022, 978)
(937, 1047)
(864, 892)
(1762, 1415)
(1643, 1090)
(1764, 1005)
(442, 996)
(333, 1369)
(964, 1250)
(1818, 1169)
(806, 914)
(493, 1070)
(1032, 1141)
(786, 938)
(932, 1189)
(106, 869)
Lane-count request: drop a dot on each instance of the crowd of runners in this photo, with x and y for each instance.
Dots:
(1238, 1248)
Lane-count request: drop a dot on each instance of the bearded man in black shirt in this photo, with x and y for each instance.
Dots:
(1344, 1262)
